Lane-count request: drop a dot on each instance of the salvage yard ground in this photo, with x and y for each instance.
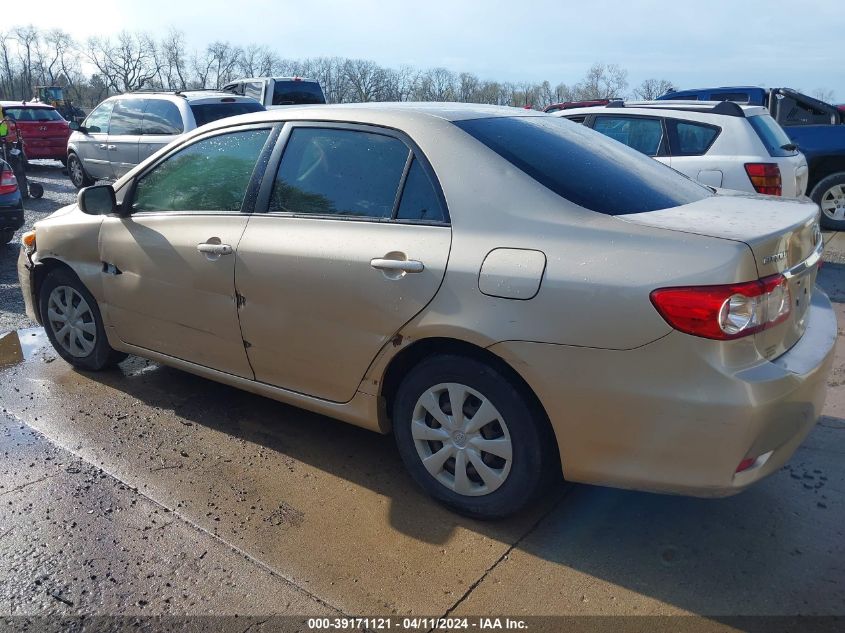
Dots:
(145, 491)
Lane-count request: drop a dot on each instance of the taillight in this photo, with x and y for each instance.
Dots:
(725, 312)
(8, 182)
(765, 177)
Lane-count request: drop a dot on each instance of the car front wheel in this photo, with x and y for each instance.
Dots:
(77, 172)
(471, 438)
(829, 194)
(73, 322)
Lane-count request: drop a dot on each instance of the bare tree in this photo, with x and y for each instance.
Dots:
(368, 81)
(126, 64)
(173, 61)
(823, 94)
(27, 38)
(653, 88)
(603, 81)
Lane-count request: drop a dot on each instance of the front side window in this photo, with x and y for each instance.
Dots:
(339, 172)
(127, 117)
(211, 175)
(98, 121)
(692, 139)
(162, 117)
(644, 135)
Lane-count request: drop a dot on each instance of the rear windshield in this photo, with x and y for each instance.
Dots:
(584, 166)
(297, 92)
(772, 135)
(208, 112)
(32, 114)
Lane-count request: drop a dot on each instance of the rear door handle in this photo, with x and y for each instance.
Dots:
(214, 249)
(102, 146)
(112, 147)
(398, 265)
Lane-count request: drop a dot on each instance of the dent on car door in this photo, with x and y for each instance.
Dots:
(169, 266)
(341, 261)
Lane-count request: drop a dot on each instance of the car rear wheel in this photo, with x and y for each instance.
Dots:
(77, 172)
(829, 194)
(471, 438)
(73, 322)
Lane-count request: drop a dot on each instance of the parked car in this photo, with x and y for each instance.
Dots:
(719, 144)
(124, 130)
(814, 126)
(509, 293)
(570, 105)
(11, 204)
(43, 130)
(279, 91)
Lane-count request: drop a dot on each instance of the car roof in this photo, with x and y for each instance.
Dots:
(647, 107)
(185, 95)
(379, 113)
(294, 78)
(26, 104)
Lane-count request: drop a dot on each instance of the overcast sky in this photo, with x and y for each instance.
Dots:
(693, 44)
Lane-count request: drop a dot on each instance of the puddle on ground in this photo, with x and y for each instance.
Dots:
(21, 345)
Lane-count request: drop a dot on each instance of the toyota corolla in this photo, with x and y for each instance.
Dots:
(513, 296)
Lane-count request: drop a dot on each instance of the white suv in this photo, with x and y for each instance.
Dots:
(720, 144)
(124, 130)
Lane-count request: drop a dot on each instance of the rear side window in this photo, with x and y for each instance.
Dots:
(419, 197)
(293, 92)
(127, 117)
(772, 135)
(690, 139)
(644, 135)
(208, 112)
(339, 172)
(162, 117)
(211, 175)
(583, 166)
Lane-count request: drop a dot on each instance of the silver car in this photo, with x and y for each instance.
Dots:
(126, 129)
(512, 295)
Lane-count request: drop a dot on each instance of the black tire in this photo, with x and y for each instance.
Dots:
(533, 460)
(101, 356)
(63, 161)
(36, 190)
(821, 190)
(20, 176)
(77, 173)
(6, 236)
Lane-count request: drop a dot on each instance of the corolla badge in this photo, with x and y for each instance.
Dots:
(768, 259)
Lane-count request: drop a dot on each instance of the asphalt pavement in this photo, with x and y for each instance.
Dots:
(145, 491)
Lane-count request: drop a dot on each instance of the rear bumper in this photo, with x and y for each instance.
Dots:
(680, 414)
(11, 219)
(55, 149)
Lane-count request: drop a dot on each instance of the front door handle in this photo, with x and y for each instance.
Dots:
(398, 265)
(214, 249)
(113, 147)
(102, 146)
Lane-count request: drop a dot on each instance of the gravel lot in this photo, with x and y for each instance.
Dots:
(58, 192)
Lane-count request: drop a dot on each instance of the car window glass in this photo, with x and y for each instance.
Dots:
(296, 91)
(693, 139)
(98, 120)
(162, 117)
(211, 175)
(127, 117)
(644, 135)
(208, 112)
(419, 197)
(32, 114)
(253, 89)
(339, 172)
(584, 167)
(738, 97)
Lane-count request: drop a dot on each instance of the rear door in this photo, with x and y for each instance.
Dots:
(124, 135)
(689, 142)
(353, 245)
(162, 123)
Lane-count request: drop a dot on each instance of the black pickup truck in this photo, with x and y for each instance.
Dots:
(814, 126)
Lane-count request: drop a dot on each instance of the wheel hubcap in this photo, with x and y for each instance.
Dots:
(75, 170)
(462, 439)
(833, 203)
(72, 321)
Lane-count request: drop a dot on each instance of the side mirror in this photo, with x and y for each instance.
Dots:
(97, 200)
(74, 125)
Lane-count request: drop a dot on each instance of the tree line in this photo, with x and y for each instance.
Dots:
(105, 65)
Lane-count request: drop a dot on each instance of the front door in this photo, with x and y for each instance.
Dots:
(92, 146)
(354, 245)
(124, 134)
(169, 267)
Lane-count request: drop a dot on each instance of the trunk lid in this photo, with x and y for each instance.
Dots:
(783, 236)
